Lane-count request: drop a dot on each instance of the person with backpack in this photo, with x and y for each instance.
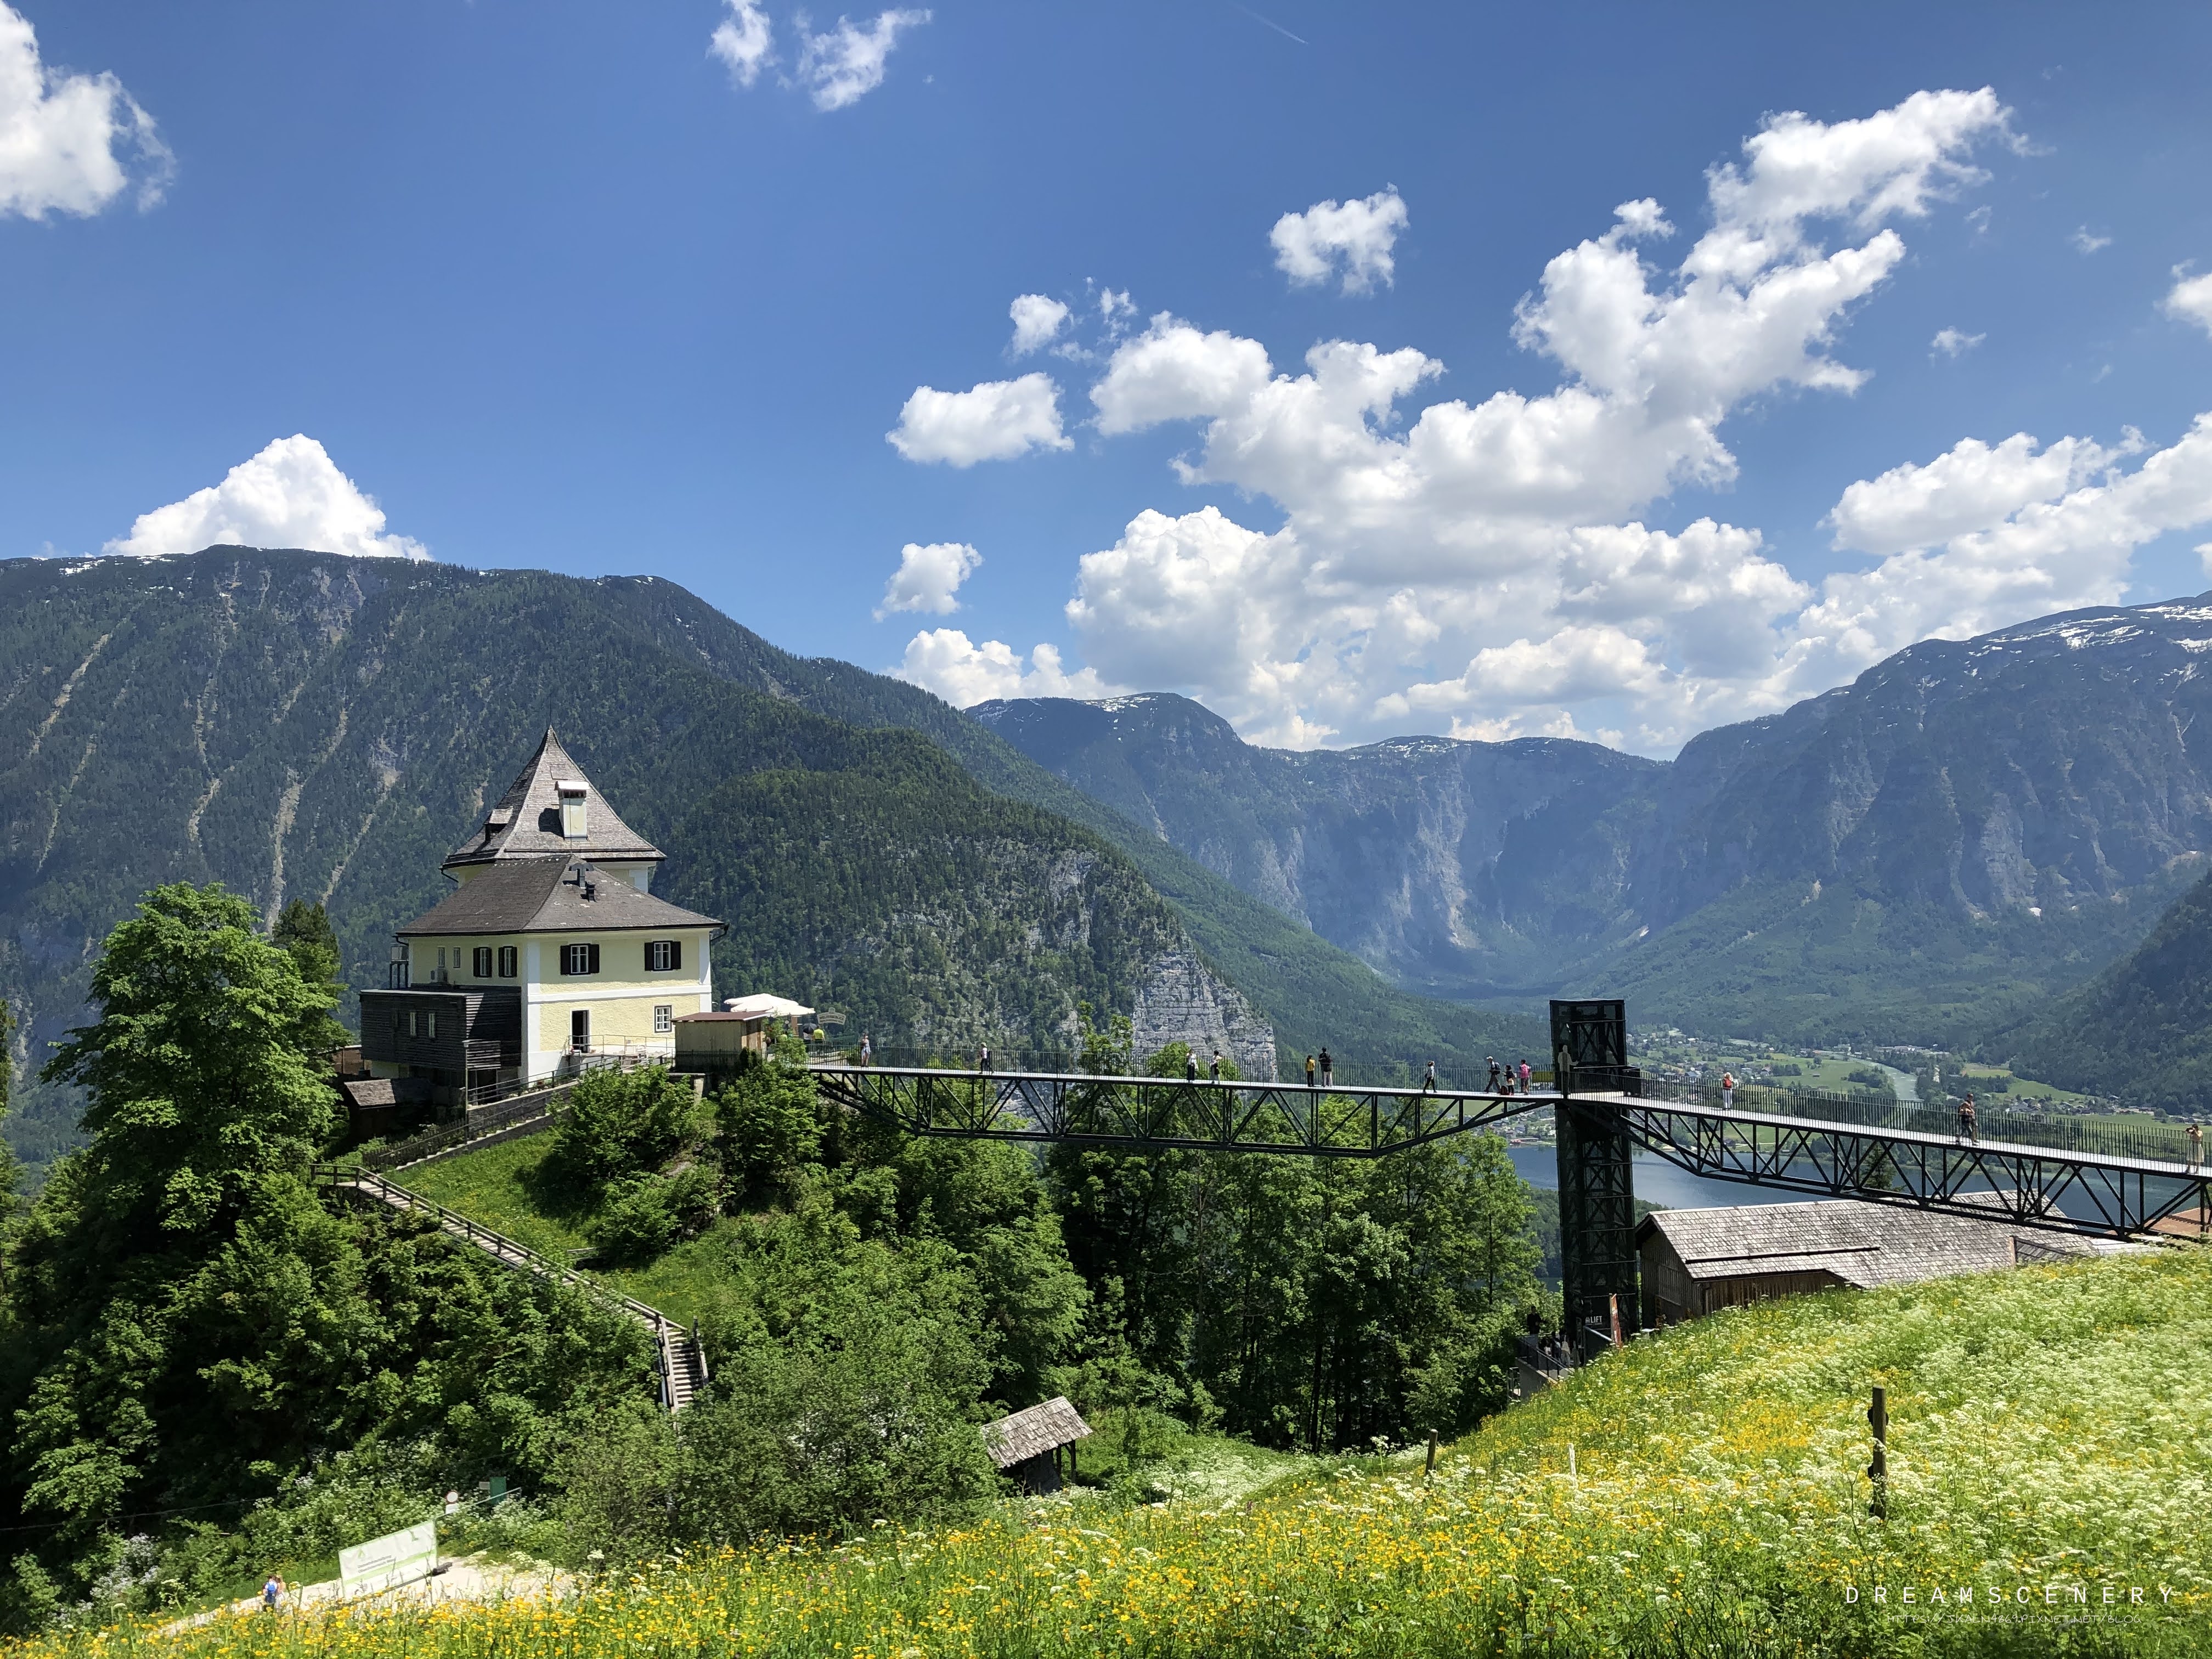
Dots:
(1496, 1074)
(1327, 1071)
(1728, 1091)
(1966, 1131)
(272, 1592)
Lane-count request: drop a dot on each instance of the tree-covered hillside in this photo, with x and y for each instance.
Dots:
(297, 725)
(2141, 1030)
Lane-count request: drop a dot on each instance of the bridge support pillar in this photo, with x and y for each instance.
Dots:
(1597, 1191)
(1597, 1217)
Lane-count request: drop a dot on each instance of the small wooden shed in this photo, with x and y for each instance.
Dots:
(1026, 1445)
(716, 1042)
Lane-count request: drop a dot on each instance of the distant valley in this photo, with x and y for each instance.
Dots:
(1922, 855)
(1930, 855)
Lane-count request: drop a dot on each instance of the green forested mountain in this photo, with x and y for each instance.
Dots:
(2141, 1030)
(297, 725)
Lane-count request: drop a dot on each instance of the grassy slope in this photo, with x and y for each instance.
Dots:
(497, 1187)
(2046, 1433)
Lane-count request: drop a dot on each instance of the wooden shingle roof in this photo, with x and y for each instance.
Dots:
(524, 822)
(548, 895)
(1862, 1245)
(1031, 1433)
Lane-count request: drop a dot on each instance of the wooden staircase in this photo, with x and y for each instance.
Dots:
(678, 1360)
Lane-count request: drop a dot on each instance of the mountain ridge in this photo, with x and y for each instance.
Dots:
(305, 724)
(1967, 826)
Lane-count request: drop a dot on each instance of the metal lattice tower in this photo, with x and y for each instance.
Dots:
(1597, 1192)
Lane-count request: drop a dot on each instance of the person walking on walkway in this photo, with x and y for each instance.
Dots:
(2195, 1146)
(1213, 1072)
(1525, 1075)
(867, 1050)
(1496, 1074)
(1189, 1066)
(983, 1058)
(1966, 1120)
(1327, 1071)
(1429, 1082)
(272, 1592)
(1310, 1071)
(1728, 1091)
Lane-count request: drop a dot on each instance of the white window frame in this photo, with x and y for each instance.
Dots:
(664, 1018)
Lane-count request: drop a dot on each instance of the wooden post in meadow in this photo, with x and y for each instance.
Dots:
(1878, 1471)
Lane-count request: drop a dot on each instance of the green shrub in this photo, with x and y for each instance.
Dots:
(622, 1123)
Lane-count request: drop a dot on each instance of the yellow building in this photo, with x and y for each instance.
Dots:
(550, 949)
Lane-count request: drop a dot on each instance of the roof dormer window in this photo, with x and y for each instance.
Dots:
(571, 791)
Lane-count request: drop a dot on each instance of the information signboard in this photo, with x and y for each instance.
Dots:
(397, 1557)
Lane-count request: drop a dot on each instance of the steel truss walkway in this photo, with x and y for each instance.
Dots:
(2042, 1187)
(2051, 1188)
(1599, 1130)
(1149, 1113)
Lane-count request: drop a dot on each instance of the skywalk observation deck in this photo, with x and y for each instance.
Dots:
(2057, 1188)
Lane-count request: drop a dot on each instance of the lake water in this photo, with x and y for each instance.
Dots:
(1658, 1182)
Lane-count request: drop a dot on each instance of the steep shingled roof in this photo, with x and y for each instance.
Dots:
(546, 896)
(1031, 1433)
(524, 822)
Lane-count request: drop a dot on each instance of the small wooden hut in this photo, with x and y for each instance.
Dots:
(1026, 1446)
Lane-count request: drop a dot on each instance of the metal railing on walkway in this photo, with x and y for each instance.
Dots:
(1996, 1119)
(678, 1358)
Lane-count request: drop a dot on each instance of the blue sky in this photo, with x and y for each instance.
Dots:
(555, 289)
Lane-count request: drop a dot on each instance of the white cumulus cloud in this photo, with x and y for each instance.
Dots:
(1955, 343)
(745, 40)
(2087, 241)
(944, 660)
(1036, 318)
(2190, 299)
(1970, 487)
(928, 577)
(995, 421)
(1352, 238)
(1480, 564)
(70, 144)
(1171, 372)
(842, 65)
(2043, 533)
(290, 495)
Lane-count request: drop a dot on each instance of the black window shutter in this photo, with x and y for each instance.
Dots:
(591, 959)
(675, 953)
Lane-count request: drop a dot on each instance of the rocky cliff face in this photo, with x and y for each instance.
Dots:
(1404, 853)
(1181, 999)
(1989, 819)
(2037, 768)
